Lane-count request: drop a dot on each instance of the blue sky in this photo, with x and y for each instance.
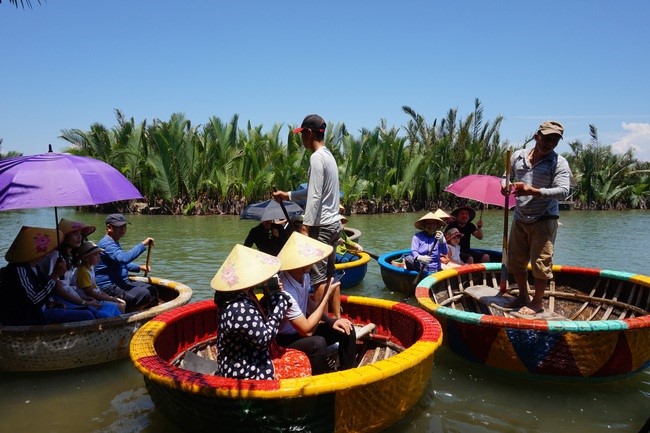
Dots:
(70, 63)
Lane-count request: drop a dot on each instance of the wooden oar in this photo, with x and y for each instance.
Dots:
(503, 284)
(349, 244)
(146, 265)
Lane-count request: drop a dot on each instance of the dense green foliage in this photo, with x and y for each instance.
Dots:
(220, 167)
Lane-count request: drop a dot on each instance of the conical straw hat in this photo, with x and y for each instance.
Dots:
(439, 213)
(243, 268)
(427, 217)
(301, 250)
(32, 243)
(67, 226)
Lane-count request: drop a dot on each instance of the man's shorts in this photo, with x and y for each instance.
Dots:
(329, 235)
(532, 242)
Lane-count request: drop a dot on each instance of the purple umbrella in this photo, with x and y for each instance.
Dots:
(57, 179)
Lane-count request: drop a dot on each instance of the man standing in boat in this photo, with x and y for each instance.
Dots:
(322, 209)
(540, 178)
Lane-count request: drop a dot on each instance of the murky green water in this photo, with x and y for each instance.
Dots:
(461, 397)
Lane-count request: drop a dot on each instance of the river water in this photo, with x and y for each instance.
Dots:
(460, 397)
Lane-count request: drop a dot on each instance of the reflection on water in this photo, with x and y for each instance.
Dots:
(461, 397)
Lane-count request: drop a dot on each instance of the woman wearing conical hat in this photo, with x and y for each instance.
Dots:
(66, 291)
(26, 290)
(245, 329)
(429, 243)
(307, 326)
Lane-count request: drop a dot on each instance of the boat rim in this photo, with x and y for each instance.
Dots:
(184, 296)
(146, 360)
(554, 326)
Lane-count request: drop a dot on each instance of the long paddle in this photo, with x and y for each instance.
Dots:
(503, 283)
(146, 265)
(349, 244)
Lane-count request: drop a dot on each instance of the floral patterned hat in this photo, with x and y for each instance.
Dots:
(301, 250)
(243, 268)
(32, 243)
(67, 226)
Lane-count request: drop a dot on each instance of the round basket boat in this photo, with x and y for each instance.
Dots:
(595, 323)
(362, 399)
(396, 278)
(355, 270)
(78, 344)
(353, 234)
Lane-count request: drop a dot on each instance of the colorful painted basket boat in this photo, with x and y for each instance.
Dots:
(78, 344)
(595, 324)
(355, 270)
(362, 399)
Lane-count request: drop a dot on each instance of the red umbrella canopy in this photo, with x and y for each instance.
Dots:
(57, 180)
(481, 187)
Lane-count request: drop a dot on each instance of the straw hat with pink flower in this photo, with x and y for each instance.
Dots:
(301, 250)
(244, 268)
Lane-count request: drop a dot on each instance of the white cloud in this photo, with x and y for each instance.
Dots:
(637, 137)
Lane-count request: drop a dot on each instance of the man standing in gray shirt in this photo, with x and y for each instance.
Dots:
(322, 209)
(540, 178)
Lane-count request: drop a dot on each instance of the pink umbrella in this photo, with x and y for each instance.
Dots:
(481, 187)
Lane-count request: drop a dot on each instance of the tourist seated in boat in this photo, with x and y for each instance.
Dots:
(346, 246)
(427, 245)
(245, 329)
(26, 290)
(112, 271)
(267, 236)
(463, 217)
(66, 292)
(452, 259)
(306, 325)
(88, 255)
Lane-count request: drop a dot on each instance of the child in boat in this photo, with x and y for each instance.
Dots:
(26, 289)
(88, 254)
(306, 325)
(245, 329)
(66, 291)
(452, 259)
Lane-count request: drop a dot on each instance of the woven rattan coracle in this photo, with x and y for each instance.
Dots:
(361, 399)
(595, 324)
(78, 344)
(355, 270)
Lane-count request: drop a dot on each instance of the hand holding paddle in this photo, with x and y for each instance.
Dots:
(149, 243)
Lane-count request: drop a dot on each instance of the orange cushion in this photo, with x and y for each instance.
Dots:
(289, 363)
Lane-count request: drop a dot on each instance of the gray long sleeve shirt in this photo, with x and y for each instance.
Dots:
(551, 175)
(322, 193)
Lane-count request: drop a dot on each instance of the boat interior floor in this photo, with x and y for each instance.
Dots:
(498, 304)
(371, 348)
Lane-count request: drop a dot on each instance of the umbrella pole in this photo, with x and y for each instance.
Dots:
(56, 221)
(286, 214)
